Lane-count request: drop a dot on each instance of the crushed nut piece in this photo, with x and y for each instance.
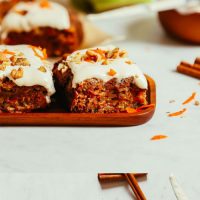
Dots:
(16, 74)
(17, 60)
(4, 62)
(92, 55)
(42, 69)
(2, 68)
(129, 62)
(97, 55)
(62, 67)
(196, 103)
(21, 12)
(171, 101)
(105, 62)
(136, 76)
(114, 53)
(123, 53)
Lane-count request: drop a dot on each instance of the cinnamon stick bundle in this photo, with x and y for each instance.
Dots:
(190, 69)
(128, 177)
(117, 177)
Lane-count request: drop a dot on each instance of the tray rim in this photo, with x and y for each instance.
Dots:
(6, 119)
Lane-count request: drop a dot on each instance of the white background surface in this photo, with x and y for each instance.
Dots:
(81, 152)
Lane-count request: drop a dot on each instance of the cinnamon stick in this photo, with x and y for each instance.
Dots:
(188, 70)
(197, 61)
(117, 177)
(135, 186)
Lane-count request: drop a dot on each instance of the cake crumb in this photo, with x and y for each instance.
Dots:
(196, 103)
(172, 101)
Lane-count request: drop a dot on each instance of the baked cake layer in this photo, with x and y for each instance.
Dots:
(54, 28)
(21, 99)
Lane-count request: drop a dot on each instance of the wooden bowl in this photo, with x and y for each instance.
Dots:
(185, 27)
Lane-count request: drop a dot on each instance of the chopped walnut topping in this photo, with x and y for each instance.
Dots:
(99, 55)
(42, 69)
(196, 103)
(16, 74)
(105, 62)
(77, 58)
(123, 54)
(2, 68)
(114, 53)
(4, 61)
(18, 60)
(62, 67)
(92, 55)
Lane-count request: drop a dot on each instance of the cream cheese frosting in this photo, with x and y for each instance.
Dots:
(35, 70)
(26, 16)
(118, 67)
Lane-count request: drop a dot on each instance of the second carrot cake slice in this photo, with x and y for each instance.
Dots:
(100, 80)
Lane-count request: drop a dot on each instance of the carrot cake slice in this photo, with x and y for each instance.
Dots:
(45, 24)
(100, 80)
(26, 81)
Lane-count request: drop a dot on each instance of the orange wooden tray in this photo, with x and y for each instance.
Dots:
(58, 116)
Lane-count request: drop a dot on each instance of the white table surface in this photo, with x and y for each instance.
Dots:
(82, 152)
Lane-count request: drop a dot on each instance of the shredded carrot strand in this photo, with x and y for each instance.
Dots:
(145, 107)
(44, 54)
(130, 110)
(44, 4)
(112, 72)
(159, 137)
(133, 110)
(177, 113)
(190, 98)
(8, 52)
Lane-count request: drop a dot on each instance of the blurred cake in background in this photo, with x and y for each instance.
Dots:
(43, 23)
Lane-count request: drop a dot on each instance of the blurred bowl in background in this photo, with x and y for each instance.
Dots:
(185, 27)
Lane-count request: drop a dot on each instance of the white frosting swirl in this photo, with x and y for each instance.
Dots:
(86, 70)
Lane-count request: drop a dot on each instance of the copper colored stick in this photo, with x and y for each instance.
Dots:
(189, 71)
(196, 64)
(135, 186)
(197, 61)
(116, 177)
